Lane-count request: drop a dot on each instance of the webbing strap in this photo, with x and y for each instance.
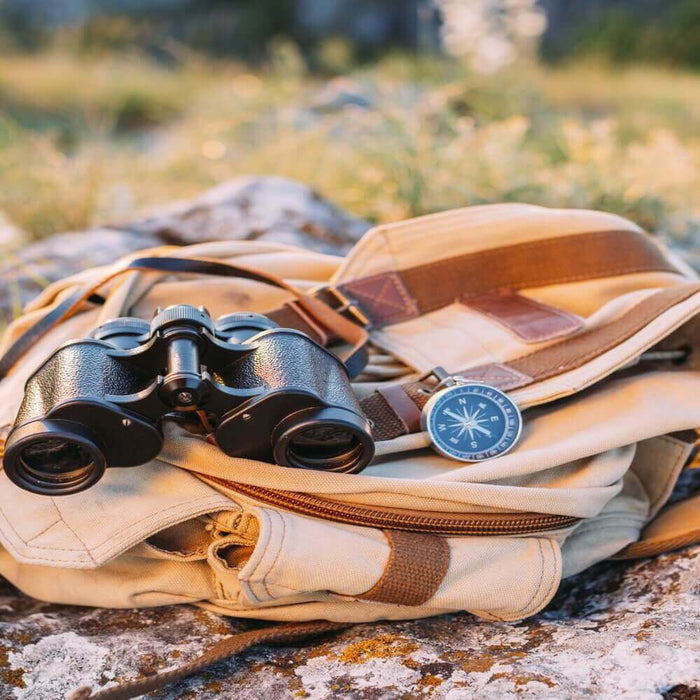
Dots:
(392, 297)
(563, 356)
(315, 311)
(277, 634)
(415, 569)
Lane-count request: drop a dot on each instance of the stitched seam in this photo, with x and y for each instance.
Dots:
(539, 306)
(553, 583)
(385, 278)
(276, 559)
(389, 281)
(8, 522)
(383, 290)
(562, 279)
(109, 537)
(250, 581)
(388, 240)
(268, 519)
(539, 585)
(87, 551)
(522, 332)
(556, 580)
(45, 530)
(506, 373)
(680, 454)
(611, 344)
(408, 300)
(158, 514)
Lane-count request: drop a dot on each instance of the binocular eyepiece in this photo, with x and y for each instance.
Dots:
(270, 393)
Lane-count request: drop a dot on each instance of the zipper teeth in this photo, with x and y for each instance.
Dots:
(431, 522)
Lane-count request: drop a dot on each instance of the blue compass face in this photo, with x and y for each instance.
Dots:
(472, 422)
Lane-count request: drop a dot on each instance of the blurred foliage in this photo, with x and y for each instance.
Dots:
(93, 137)
(217, 27)
(669, 36)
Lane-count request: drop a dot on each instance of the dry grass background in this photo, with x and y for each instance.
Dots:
(91, 138)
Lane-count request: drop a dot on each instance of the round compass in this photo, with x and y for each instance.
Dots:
(472, 422)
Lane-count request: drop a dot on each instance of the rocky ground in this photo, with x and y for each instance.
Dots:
(618, 629)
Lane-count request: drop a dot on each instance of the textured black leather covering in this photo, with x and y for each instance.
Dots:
(285, 359)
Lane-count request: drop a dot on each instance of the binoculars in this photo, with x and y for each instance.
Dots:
(269, 393)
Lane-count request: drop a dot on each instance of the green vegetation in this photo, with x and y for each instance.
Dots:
(90, 138)
(668, 33)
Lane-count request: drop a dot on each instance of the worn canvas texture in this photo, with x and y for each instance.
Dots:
(599, 444)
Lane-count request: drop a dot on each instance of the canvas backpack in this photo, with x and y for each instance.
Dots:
(590, 327)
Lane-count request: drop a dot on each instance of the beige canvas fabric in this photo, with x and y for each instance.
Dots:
(599, 445)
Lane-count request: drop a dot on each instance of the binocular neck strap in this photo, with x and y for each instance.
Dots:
(355, 358)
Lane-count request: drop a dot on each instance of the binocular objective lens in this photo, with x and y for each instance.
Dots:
(56, 460)
(323, 447)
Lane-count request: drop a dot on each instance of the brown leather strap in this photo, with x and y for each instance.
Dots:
(414, 571)
(311, 313)
(576, 351)
(402, 405)
(278, 634)
(530, 320)
(555, 359)
(400, 295)
(291, 315)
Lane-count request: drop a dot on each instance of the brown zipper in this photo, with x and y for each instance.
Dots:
(385, 518)
(435, 522)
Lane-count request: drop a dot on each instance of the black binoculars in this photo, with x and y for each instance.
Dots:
(268, 393)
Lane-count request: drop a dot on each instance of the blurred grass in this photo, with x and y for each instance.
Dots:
(92, 138)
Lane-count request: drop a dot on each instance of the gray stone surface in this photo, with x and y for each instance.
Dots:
(619, 628)
(260, 208)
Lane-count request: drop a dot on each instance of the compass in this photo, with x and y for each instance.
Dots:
(471, 422)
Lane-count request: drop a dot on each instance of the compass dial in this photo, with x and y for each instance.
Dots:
(472, 422)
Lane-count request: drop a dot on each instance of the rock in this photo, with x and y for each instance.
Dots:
(263, 208)
(618, 629)
(11, 236)
(259, 208)
(340, 93)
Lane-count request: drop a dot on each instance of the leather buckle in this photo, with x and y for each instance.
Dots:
(341, 303)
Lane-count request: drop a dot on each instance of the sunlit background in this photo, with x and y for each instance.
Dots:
(391, 108)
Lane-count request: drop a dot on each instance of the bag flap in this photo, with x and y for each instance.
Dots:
(87, 529)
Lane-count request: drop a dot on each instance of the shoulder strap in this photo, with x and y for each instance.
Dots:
(338, 325)
(402, 294)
